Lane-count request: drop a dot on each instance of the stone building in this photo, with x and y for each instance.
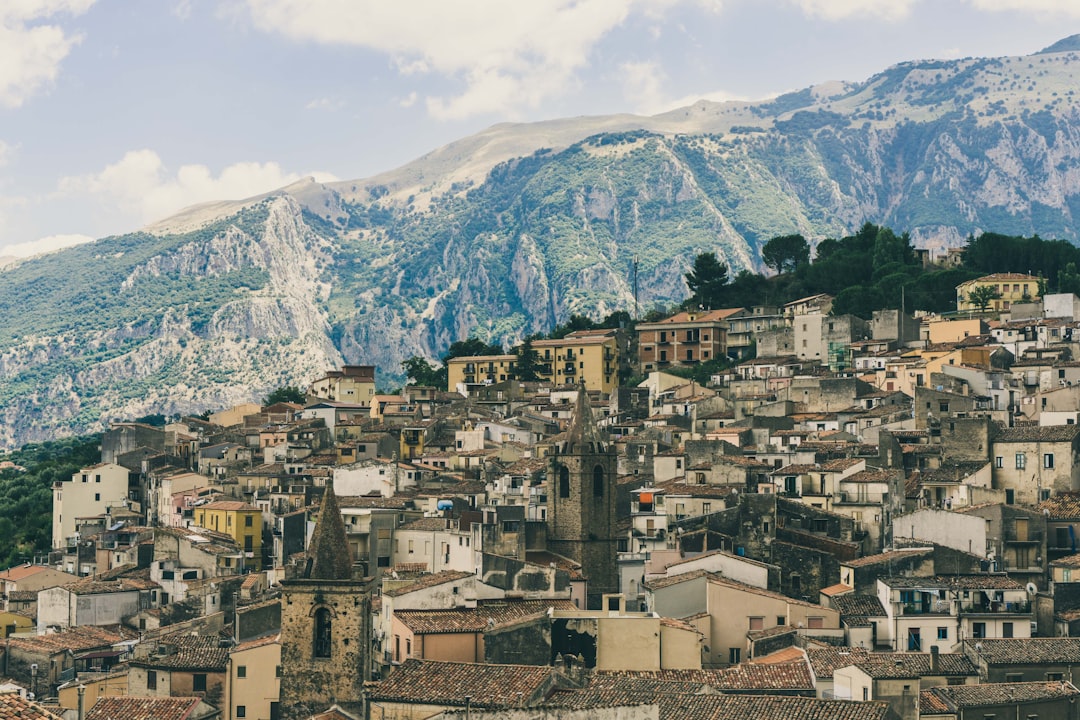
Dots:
(325, 624)
(581, 503)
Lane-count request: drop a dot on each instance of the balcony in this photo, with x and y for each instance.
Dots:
(934, 607)
(997, 608)
(570, 370)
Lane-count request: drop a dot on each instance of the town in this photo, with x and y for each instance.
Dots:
(856, 519)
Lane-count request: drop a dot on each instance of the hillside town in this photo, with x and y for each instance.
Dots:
(856, 520)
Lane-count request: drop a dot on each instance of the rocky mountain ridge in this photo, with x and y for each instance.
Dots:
(509, 231)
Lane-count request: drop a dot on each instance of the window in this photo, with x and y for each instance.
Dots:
(914, 643)
(151, 680)
(734, 655)
(1021, 461)
(781, 620)
(815, 623)
(241, 671)
(564, 481)
(978, 630)
(1048, 460)
(943, 633)
(323, 633)
(598, 481)
(757, 623)
(1014, 677)
(97, 497)
(1006, 630)
(865, 694)
(248, 519)
(408, 647)
(1052, 677)
(198, 682)
(999, 461)
(241, 711)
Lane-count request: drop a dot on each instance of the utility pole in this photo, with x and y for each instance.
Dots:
(634, 268)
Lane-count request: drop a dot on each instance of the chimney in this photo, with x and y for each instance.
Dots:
(934, 659)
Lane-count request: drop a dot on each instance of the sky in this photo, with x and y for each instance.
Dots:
(118, 113)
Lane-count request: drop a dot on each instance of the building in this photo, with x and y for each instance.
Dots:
(1011, 287)
(1031, 463)
(686, 338)
(91, 491)
(351, 384)
(325, 624)
(254, 679)
(479, 370)
(581, 502)
(238, 520)
(589, 357)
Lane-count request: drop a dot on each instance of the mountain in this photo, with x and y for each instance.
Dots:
(509, 231)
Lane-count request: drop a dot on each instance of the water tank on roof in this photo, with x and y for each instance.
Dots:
(445, 505)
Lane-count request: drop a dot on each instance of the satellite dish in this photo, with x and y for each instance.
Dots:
(1031, 588)
(978, 647)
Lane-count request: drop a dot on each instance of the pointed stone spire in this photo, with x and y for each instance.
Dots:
(583, 435)
(329, 556)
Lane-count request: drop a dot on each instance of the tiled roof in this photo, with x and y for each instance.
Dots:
(963, 696)
(14, 707)
(192, 653)
(930, 703)
(230, 505)
(956, 582)
(825, 660)
(447, 683)
(426, 524)
(871, 476)
(19, 572)
(688, 706)
(766, 593)
(478, 619)
(746, 676)
(427, 581)
(837, 589)
(92, 586)
(788, 654)
(1069, 561)
(84, 637)
(1031, 650)
(860, 605)
(1062, 506)
(662, 582)
(1038, 433)
(142, 708)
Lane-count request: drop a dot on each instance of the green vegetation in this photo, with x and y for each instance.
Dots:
(286, 394)
(26, 513)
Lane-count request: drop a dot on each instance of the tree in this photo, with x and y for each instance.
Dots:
(983, 295)
(471, 347)
(421, 372)
(286, 393)
(525, 369)
(785, 253)
(706, 281)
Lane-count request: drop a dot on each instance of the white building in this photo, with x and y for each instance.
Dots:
(91, 491)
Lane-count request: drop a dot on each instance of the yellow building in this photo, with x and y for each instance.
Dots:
(96, 687)
(254, 683)
(351, 384)
(478, 370)
(953, 331)
(1012, 288)
(589, 356)
(238, 520)
(13, 622)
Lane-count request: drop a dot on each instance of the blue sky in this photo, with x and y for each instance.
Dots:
(116, 113)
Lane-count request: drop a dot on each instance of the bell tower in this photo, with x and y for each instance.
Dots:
(581, 502)
(325, 624)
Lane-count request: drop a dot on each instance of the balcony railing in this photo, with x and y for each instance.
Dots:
(1013, 608)
(934, 607)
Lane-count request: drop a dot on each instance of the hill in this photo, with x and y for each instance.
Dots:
(510, 231)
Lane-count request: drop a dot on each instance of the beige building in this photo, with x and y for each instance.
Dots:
(235, 415)
(734, 609)
(254, 679)
(478, 370)
(686, 338)
(953, 331)
(1012, 288)
(351, 384)
(586, 356)
(91, 491)
(1032, 463)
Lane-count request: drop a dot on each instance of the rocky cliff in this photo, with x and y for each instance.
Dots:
(509, 231)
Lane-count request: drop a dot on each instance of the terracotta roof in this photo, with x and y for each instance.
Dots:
(447, 683)
(961, 696)
(859, 605)
(428, 524)
(1069, 561)
(662, 582)
(883, 558)
(825, 660)
(1038, 433)
(427, 581)
(19, 572)
(930, 703)
(143, 708)
(1012, 651)
(84, 637)
(192, 653)
(1062, 506)
(776, 676)
(788, 654)
(837, 589)
(483, 616)
(956, 582)
(14, 707)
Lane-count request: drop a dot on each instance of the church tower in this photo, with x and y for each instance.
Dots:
(581, 502)
(325, 624)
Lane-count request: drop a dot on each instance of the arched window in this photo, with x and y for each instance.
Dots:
(598, 481)
(323, 633)
(564, 481)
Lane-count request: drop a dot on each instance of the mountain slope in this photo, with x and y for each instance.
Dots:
(509, 231)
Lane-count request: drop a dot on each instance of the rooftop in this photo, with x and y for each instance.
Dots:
(448, 683)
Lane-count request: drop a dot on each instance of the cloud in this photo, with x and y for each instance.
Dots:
(141, 184)
(30, 51)
(325, 103)
(1059, 8)
(643, 85)
(5, 153)
(507, 55)
(842, 9)
(44, 245)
